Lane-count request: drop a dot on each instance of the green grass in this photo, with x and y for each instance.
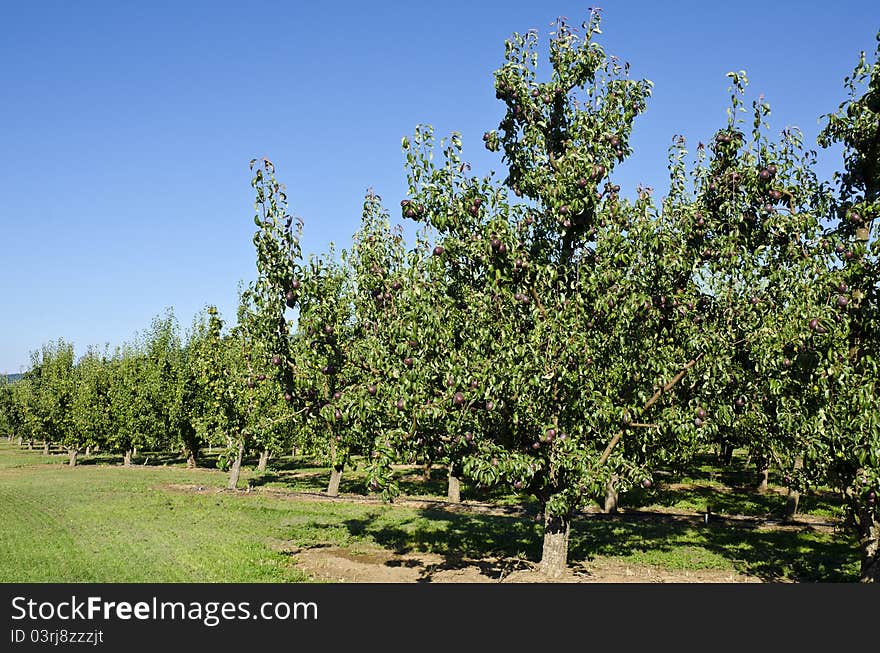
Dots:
(101, 522)
(731, 491)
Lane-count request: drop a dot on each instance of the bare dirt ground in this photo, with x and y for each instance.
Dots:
(377, 565)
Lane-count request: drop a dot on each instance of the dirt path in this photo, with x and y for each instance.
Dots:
(377, 565)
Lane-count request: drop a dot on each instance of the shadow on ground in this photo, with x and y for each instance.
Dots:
(492, 542)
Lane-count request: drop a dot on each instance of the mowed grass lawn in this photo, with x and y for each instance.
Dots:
(105, 523)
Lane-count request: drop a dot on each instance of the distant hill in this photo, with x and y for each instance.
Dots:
(13, 377)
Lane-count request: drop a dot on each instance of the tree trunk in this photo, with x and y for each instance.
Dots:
(293, 452)
(126, 458)
(611, 495)
(794, 497)
(73, 453)
(727, 455)
(426, 473)
(19, 440)
(763, 476)
(134, 451)
(453, 491)
(191, 458)
(791, 505)
(869, 543)
(264, 459)
(235, 472)
(554, 558)
(335, 478)
(88, 451)
(45, 447)
(30, 444)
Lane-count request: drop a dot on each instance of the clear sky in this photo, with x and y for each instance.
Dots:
(127, 127)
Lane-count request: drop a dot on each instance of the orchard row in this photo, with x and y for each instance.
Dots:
(543, 331)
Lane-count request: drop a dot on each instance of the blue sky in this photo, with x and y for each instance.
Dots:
(127, 127)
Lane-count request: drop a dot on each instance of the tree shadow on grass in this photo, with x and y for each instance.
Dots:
(96, 459)
(315, 483)
(484, 542)
(162, 458)
(263, 478)
(703, 498)
(289, 464)
(733, 501)
(313, 480)
(773, 555)
(412, 482)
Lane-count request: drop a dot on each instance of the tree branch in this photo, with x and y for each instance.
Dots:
(678, 377)
(538, 302)
(653, 400)
(283, 418)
